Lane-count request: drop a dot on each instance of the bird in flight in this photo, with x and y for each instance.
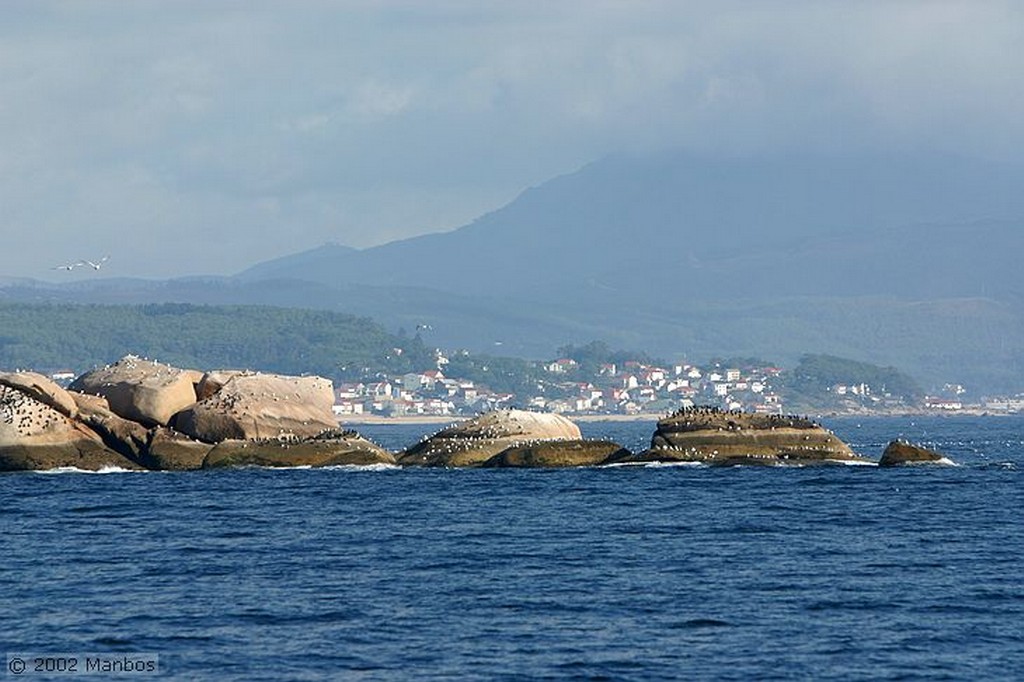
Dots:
(95, 265)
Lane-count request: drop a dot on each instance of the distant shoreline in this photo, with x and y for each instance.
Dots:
(356, 420)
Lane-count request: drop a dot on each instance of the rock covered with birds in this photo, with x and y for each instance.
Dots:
(141, 414)
(245, 418)
(34, 435)
(142, 390)
(258, 406)
(473, 442)
(726, 437)
(901, 453)
(43, 389)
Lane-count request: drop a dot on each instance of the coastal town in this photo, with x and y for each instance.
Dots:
(638, 387)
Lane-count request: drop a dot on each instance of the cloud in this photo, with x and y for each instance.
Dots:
(157, 128)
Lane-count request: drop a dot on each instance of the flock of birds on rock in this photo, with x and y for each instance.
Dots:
(15, 404)
(702, 415)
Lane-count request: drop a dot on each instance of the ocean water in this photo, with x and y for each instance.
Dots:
(622, 573)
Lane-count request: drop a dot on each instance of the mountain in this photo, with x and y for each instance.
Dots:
(723, 227)
(908, 260)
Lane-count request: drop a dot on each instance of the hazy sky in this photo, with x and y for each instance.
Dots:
(201, 137)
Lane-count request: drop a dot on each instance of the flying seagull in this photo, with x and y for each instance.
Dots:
(97, 264)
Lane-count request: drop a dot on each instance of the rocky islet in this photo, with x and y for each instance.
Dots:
(141, 414)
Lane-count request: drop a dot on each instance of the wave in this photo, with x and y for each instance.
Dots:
(309, 467)
(1010, 466)
(651, 465)
(110, 469)
(380, 466)
(944, 461)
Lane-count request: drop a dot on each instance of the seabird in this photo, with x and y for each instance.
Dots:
(97, 264)
(94, 265)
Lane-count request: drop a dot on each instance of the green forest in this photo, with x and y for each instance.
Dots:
(52, 337)
(811, 379)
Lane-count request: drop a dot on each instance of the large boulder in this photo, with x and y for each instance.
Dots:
(257, 406)
(900, 452)
(142, 390)
(43, 389)
(158, 448)
(122, 435)
(558, 453)
(332, 448)
(35, 436)
(712, 436)
(473, 442)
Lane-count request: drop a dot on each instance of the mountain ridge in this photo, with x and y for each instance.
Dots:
(624, 213)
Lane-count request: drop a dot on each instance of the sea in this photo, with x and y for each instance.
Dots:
(616, 573)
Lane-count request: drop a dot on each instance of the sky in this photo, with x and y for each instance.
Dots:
(201, 137)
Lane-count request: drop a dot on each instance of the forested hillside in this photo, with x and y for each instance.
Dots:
(78, 337)
(812, 382)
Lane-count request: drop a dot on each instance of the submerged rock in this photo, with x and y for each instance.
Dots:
(712, 436)
(558, 453)
(256, 406)
(900, 452)
(473, 442)
(141, 390)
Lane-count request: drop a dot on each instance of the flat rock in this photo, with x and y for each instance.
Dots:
(559, 453)
(473, 442)
(711, 436)
(257, 406)
(142, 390)
(900, 452)
(328, 449)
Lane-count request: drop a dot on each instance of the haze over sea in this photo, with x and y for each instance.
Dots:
(625, 573)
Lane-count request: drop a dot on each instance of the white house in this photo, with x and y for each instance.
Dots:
(560, 366)
(381, 389)
(347, 408)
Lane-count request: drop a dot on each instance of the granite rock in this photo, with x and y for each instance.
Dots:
(716, 437)
(257, 406)
(901, 452)
(141, 390)
(473, 442)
